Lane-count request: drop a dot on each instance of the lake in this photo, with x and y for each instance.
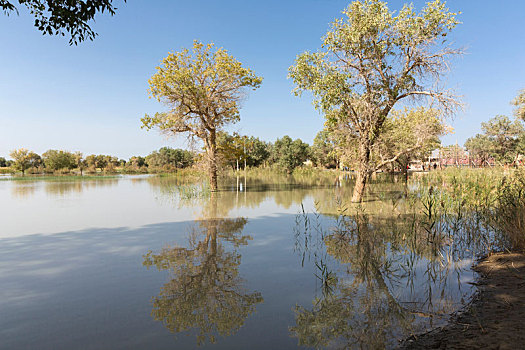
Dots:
(267, 262)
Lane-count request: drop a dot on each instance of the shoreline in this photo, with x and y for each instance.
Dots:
(495, 317)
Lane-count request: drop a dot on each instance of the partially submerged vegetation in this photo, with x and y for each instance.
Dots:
(396, 242)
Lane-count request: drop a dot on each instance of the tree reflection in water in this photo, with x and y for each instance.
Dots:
(383, 277)
(205, 292)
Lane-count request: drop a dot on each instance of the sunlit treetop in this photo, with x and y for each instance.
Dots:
(373, 53)
(202, 88)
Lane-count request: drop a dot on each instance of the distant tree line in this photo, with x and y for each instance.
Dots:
(63, 162)
(412, 135)
(234, 151)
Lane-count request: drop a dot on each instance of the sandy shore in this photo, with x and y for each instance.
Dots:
(495, 319)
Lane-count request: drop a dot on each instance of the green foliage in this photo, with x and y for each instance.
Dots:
(394, 51)
(479, 147)
(370, 61)
(60, 17)
(288, 153)
(56, 160)
(24, 159)
(324, 150)
(231, 149)
(503, 135)
(410, 134)
(519, 102)
(202, 89)
(235, 149)
(137, 161)
(167, 157)
(103, 162)
(257, 151)
(3, 162)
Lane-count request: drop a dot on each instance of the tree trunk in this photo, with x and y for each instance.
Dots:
(212, 161)
(211, 224)
(360, 184)
(404, 166)
(363, 172)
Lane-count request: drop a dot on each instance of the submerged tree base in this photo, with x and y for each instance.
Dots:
(494, 318)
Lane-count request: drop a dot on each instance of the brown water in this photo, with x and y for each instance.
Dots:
(155, 262)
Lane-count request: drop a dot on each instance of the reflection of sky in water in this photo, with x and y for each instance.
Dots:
(71, 259)
(30, 207)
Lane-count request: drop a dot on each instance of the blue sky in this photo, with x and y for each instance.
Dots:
(91, 97)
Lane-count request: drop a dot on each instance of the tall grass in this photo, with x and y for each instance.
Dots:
(6, 171)
(492, 198)
(508, 217)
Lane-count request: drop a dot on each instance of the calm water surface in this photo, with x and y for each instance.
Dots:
(152, 262)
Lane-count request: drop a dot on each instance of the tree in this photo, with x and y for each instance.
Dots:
(101, 161)
(60, 16)
(236, 150)
(166, 156)
(504, 135)
(3, 162)
(228, 149)
(80, 161)
(35, 161)
(289, 154)
(24, 159)
(452, 153)
(410, 134)
(372, 61)
(324, 151)
(202, 89)
(479, 148)
(231, 149)
(56, 160)
(257, 151)
(137, 161)
(519, 102)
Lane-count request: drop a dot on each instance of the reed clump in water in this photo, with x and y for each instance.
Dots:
(508, 216)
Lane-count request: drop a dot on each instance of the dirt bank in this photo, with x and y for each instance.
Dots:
(495, 319)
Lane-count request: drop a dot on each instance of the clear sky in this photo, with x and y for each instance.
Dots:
(91, 97)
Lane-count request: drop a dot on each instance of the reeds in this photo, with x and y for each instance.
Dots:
(508, 217)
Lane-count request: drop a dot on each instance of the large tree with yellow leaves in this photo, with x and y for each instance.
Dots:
(202, 89)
